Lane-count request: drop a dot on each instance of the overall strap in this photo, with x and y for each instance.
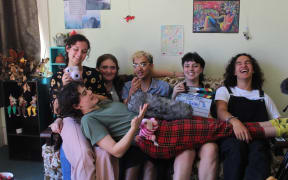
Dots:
(261, 93)
(229, 90)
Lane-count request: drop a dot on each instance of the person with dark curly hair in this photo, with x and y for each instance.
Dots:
(76, 155)
(239, 101)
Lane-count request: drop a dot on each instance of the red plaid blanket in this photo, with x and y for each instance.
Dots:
(176, 136)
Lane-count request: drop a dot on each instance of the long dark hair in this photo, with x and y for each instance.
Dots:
(198, 59)
(72, 40)
(117, 82)
(67, 98)
(230, 79)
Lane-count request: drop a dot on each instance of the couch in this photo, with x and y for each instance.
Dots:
(51, 158)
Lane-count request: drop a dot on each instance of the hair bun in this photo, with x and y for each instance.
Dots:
(284, 86)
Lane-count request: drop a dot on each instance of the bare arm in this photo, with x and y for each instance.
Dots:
(119, 148)
(240, 130)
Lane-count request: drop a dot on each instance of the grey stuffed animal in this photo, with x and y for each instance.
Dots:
(160, 107)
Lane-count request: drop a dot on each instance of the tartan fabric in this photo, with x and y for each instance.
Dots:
(176, 136)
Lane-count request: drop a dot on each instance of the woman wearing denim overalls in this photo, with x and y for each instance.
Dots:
(243, 100)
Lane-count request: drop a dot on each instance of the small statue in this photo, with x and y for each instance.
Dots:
(60, 39)
(22, 106)
(42, 69)
(33, 106)
(12, 107)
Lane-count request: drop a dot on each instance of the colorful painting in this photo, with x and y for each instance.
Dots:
(216, 16)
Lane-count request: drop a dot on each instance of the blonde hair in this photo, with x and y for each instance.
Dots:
(140, 54)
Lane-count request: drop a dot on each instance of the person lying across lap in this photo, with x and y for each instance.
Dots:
(112, 127)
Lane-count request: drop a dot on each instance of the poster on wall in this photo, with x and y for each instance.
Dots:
(216, 16)
(97, 4)
(77, 17)
(172, 43)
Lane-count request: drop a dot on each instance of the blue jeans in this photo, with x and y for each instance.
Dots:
(65, 165)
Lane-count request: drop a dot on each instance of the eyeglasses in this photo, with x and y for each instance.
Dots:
(140, 64)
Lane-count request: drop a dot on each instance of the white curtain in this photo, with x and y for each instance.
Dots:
(44, 28)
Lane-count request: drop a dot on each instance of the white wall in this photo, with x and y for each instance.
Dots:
(266, 19)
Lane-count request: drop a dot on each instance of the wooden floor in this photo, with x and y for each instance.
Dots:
(22, 170)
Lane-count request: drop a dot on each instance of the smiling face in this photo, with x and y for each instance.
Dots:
(87, 100)
(243, 68)
(192, 71)
(142, 67)
(77, 53)
(108, 69)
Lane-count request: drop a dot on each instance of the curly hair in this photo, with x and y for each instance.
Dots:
(198, 59)
(68, 97)
(72, 40)
(230, 79)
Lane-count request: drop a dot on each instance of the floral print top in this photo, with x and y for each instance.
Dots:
(91, 78)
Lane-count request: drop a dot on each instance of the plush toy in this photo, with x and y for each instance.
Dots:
(12, 107)
(160, 107)
(147, 129)
(33, 106)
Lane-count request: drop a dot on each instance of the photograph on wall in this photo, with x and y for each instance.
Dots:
(76, 17)
(91, 19)
(172, 43)
(216, 16)
(97, 4)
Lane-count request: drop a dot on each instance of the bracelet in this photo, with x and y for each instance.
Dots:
(229, 118)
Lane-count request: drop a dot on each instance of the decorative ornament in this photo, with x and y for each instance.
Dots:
(22, 106)
(60, 59)
(33, 106)
(129, 18)
(12, 106)
(72, 33)
(16, 66)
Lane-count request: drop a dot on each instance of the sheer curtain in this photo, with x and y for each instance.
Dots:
(19, 28)
(43, 19)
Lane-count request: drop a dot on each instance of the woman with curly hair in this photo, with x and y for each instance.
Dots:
(75, 148)
(239, 101)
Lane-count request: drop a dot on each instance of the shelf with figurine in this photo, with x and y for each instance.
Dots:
(27, 113)
(58, 52)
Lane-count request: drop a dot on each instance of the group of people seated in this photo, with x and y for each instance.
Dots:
(98, 131)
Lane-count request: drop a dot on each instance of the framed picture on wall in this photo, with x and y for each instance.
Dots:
(216, 16)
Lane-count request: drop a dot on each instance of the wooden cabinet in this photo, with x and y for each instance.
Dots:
(27, 113)
(54, 52)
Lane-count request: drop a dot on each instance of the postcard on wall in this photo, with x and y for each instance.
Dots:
(77, 17)
(216, 16)
(172, 40)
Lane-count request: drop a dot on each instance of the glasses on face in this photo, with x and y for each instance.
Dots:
(143, 64)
